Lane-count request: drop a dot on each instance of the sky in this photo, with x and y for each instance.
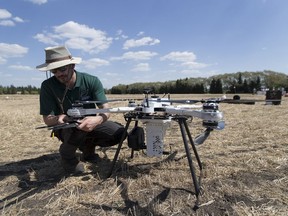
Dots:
(129, 41)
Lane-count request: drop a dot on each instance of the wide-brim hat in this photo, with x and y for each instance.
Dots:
(57, 57)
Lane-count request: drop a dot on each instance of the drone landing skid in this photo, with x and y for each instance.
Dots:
(156, 125)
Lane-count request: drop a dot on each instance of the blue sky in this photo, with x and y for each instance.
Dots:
(127, 41)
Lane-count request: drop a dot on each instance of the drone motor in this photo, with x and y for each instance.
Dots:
(210, 106)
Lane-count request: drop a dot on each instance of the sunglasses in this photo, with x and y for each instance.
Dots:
(61, 69)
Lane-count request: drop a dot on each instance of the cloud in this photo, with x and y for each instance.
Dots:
(94, 63)
(7, 23)
(120, 35)
(21, 67)
(186, 59)
(47, 38)
(11, 51)
(4, 14)
(140, 55)
(2, 60)
(76, 36)
(18, 19)
(142, 67)
(145, 41)
(180, 56)
(194, 65)
(39, 2)
(140, 33)
(6, 18)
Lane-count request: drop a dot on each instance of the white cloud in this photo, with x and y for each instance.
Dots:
(47, 38)
(11, 51)
(18, 19)
(140, 55)
(145, 41)
(4, 14)
(77, 36)
(140, 33)
(142, 67)
(39, 2)
(2, 60)
(194, 65)
(186, 59)
(180, 56)
(94, 63)
(6, 18)
(7, 23)
(21, 67)
(120, 35)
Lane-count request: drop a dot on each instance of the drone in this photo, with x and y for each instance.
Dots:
(156, 115)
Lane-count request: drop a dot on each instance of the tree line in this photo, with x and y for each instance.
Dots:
(246, 82)
(19, 90)
(240, 82)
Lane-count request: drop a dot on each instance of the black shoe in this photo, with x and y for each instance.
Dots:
(71, 169)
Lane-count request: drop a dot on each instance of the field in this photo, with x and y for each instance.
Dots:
(245, 167)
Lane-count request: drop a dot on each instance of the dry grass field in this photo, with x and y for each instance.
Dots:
(245, 168)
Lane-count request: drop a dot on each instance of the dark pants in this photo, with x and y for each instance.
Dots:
(107, 134)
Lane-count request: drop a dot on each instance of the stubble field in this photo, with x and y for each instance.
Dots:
(245, 167)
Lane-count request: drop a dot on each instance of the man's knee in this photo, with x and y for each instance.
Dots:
(71, 136)
(110, 134)
(120, 134)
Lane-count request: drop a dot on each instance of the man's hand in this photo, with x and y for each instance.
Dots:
(62, 118)
(51, 120)
(89, 123)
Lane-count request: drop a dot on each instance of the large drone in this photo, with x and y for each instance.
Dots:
(156, 114)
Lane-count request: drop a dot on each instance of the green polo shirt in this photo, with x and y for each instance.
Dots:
(87, 88)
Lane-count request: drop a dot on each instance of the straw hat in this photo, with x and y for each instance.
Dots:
(57, 57)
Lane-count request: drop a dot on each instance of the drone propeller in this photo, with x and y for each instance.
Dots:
(221, 125)
(100, 101)
(200, 139)
(179, 101)
(248, 101)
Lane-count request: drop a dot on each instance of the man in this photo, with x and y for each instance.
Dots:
(57, 95)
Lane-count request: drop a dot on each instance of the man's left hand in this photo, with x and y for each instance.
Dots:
(89, 123)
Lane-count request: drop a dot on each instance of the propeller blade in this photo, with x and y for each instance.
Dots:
(221, 125)
(200, 139)
(100, 101)
(177, 101)
(247, 101)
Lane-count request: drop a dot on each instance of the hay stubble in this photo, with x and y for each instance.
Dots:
(245, 168)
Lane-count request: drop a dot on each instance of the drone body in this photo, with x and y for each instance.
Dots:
(156, 114)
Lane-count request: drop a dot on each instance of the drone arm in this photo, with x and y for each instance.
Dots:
(210, 116)
(80, 112)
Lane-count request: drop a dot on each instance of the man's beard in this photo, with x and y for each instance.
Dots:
(64, 79)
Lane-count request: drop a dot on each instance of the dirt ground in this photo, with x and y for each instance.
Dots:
(245, 167)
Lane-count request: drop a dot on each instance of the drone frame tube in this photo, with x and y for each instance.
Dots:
(182, 121)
